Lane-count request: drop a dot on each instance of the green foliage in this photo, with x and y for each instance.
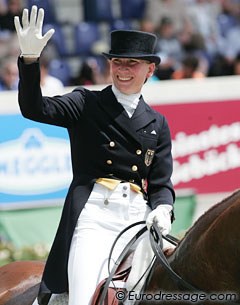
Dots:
(9, 253)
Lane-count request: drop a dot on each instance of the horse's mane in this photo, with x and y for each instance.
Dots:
(209, 217)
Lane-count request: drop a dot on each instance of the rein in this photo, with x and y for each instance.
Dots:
(125, 252)
(156, 244)
(121, 257)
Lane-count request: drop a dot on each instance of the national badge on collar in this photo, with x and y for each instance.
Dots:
(149, 156)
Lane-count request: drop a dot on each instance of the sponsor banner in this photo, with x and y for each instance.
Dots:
(35, 161)
(206, 145)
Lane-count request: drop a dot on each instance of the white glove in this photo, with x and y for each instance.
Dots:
(160, 215)
(29, 34)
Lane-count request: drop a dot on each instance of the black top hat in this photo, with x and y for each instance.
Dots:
(133, 44)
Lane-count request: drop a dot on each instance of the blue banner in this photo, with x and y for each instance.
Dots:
(35, 162)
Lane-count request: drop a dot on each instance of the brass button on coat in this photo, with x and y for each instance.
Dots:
(134, 168)
(138, 151)
(112, 144)
(109, 162)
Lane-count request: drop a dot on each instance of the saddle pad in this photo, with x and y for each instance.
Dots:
(59, 299)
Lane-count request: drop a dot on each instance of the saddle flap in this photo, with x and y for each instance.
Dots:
(117, 284)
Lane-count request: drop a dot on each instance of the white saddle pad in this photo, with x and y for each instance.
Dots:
(59, 299)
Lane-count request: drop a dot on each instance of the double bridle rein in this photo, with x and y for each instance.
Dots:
(156, 240)
(156, 244)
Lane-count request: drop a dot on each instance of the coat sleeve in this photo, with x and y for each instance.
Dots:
(160, 189)
(62, 110)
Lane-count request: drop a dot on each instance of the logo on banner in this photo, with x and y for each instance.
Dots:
(34, 164)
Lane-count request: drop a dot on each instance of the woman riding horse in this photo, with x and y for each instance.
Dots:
(207, 258)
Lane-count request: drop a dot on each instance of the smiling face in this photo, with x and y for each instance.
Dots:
(129, 74)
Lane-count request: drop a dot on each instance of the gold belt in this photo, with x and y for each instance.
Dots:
(112, 183)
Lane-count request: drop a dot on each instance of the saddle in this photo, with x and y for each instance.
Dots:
(116, 286)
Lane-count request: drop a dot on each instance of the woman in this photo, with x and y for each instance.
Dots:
(121, 157)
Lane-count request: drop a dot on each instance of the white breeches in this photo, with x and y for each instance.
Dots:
(104, 216)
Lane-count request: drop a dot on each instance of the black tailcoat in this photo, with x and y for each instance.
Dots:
(94, 119)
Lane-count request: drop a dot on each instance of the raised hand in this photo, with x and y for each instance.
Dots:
(29, 34)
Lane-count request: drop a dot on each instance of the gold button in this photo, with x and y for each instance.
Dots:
(138, 151)
(134, 168)
(112, 144)
(109, 162)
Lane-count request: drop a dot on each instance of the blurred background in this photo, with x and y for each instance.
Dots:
(196, 87)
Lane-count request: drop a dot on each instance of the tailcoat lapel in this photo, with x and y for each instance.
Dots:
(141, 117)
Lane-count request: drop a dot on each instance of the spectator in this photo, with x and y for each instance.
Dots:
(146, 25)
(89, 73)
(3, 7)
(14, 8)
(93, 73)
(189, 69)
(168, 47)
(106, 77)
(50, 85)
(8, 9)
(228, 17)
(8, 74)
(173, 9)
(220, 66)
(231, 46)
(236, 65)
(203, 15)
(8, 45)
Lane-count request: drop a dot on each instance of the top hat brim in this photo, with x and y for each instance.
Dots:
(150, 57)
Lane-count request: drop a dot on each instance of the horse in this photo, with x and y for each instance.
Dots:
(20, 281)
(207, 258)
(208, 255)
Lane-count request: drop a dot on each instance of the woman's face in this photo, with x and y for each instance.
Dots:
(129, 74)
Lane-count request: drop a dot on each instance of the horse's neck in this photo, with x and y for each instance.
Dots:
(203, 256)
(210, 219)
